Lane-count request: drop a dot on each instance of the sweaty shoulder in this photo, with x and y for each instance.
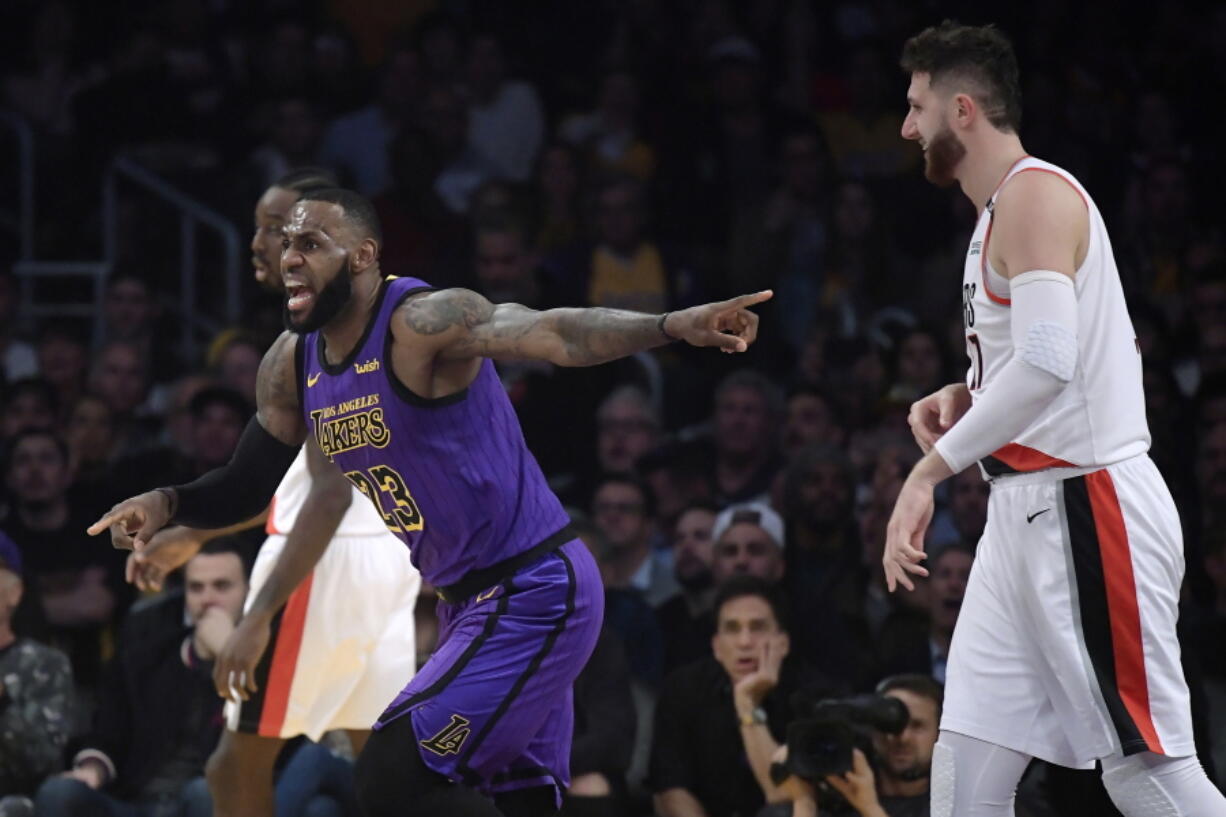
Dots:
(1040, 221)
(279, 405)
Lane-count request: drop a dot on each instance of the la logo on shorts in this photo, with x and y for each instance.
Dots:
(452, 736)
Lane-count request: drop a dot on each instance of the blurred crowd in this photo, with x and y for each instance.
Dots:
(637, 154)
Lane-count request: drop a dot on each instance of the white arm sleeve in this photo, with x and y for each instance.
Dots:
(1043, 323)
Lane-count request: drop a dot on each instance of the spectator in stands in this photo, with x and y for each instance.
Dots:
(90, 433)
(460, 168)
(825, 575)
(121, 375)
(863, 138)
(159, 715)
(177, 430)
(235, 358)
(505, 120)
(357, 144)
(560, 185)
(79, 585)
(781, 242)
(604, 733)
(218, 416)
(968, 504)
(63, 361)
(720, 719)
(679, 474)
(900, 785)
(811, 417)
(35, 696)
(919, 366)
(29, 403)
(131, 312)
(624, 510)
(950, 569)
(292, 139)
(627, 427)
(610, 134)
(628, 615)
(686, 619)
(749, 541)
(625, 269)
(748, 410)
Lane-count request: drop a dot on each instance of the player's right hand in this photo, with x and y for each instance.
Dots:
(134, 521)
(935, 414)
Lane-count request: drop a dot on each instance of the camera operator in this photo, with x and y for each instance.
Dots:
(899, 788)
(720, 719)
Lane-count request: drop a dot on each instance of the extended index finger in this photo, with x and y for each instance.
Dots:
(742, 301)
(111, 518)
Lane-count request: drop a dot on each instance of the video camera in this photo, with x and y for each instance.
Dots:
(821, 739)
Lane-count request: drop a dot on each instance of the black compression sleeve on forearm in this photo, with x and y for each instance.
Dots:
(241, 488)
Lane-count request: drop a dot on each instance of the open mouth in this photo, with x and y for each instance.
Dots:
(953, 605)
(298, 296)
(747, 665)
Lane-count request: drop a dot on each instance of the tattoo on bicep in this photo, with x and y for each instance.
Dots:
(437, 312)
(277, 390)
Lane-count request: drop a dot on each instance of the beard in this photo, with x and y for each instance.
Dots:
(944, 154)
(329, 302)
(695, 578)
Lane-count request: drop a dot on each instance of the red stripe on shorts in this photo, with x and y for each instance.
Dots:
(1124, 612)
(285, 659)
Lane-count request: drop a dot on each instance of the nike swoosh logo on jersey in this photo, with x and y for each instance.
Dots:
(488, 594)
(1030, 516)
(312, 379)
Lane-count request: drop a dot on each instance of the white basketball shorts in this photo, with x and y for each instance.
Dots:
(1065, 645)
(342, 646)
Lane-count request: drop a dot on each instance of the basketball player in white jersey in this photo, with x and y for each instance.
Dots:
(327, 636)
(1065, 646)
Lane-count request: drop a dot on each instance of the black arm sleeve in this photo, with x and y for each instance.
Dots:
(241, 488)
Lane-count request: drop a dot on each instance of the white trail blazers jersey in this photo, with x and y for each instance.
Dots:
(1099, 419)
(360, 520)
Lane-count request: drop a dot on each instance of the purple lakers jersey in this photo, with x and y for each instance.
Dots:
(451, 476)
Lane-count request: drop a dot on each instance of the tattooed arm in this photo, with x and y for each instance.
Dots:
(460, 324)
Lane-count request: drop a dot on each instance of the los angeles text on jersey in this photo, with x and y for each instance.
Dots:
(351, 424)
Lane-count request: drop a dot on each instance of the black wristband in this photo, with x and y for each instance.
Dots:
(663, 331)
(172, 502)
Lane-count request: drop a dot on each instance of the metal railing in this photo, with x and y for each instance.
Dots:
(25, 183)
(192, 214)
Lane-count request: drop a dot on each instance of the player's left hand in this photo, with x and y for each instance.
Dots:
(169, 549)
(730, 324)
(234, 671)
(858, 786)
(904, 535)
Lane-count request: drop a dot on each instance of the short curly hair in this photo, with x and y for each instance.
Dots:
(980, 59)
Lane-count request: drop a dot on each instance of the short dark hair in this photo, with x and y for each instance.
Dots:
(37, 386)
(10, 450)
(219, 396)
(924, 686)
(357, 208)
(640, 485)
(981, 55)
(742, 585)
(231, 543)
(304, 179)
